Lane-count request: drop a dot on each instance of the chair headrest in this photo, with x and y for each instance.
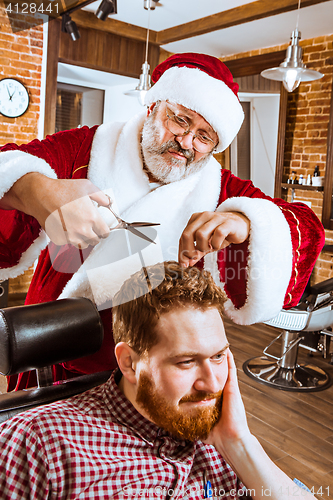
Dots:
(40, 335)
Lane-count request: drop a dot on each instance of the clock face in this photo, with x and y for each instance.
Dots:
(14, 98)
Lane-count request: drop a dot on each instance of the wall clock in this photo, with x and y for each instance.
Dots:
(14, 98)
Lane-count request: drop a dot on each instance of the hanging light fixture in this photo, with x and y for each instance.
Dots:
(145, 81)
(292, 70)
(150, 4)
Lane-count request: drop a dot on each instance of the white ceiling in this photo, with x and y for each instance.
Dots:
(314, 21)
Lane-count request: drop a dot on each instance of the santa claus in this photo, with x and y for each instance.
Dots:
(159, 167)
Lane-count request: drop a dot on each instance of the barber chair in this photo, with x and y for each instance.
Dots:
(306, 325)
(38, 336)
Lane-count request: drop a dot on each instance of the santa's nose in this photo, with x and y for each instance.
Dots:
(186, 141)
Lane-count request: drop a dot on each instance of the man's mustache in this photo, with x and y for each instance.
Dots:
(200, 396)
(175, 146)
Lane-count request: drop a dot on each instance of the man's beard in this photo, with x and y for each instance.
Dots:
(182, 424)
(170, 170)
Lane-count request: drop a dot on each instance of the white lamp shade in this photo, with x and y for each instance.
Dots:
(144, 85)
(291, 77)
(292, 70)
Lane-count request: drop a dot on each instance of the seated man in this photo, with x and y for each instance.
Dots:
(166, 425)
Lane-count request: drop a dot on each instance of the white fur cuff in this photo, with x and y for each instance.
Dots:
(269, 262)
(27, 258)
(15, 164)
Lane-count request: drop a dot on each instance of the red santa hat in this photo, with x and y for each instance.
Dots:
(203, 84)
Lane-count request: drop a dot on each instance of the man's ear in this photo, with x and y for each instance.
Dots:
(150, 109)
(127, 360)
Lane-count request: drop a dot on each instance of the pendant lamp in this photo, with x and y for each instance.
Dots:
(145, 81)
(292, 71)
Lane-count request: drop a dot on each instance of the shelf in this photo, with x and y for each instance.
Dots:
(284, 185)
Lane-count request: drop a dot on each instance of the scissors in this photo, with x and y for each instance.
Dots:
(130, 226)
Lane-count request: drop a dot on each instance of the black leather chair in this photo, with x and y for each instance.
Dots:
(38, 336)
(306, 325)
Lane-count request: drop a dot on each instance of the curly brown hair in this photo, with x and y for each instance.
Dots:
(170, 286)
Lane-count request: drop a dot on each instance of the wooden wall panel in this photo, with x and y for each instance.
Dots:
(107, 52)
(257, 83)
(247, 66)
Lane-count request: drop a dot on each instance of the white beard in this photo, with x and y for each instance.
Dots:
(163, 170)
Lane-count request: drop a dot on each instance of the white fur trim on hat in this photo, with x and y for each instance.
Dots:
(204, 94)
(269, 262)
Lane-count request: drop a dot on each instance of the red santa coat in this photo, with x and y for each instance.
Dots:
(266, 273)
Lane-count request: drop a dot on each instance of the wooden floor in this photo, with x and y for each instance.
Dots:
(295, 429)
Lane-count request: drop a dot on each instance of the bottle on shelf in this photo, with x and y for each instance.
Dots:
(308, 180)
(316, 179)
(295, 181)
(292, 178)
(301, 180)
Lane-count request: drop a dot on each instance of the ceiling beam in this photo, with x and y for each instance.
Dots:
(232, 17)
(67, 5)
(89, 20)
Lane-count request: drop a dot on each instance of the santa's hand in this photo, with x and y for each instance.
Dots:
(65, 208)
(211, 231)
(72, 217)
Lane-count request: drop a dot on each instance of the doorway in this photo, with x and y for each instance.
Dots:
(253, 151)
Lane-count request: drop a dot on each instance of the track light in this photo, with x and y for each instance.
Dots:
(106, 7)
(69, 26)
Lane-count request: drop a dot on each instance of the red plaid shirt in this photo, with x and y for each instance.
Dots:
(97, 446)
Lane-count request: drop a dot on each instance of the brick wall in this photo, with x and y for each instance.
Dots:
(306, 132)
(21, 51)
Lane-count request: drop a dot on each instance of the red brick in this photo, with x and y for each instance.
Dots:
(316, 101)
(11, 55)
(29, 61)
(314, 48)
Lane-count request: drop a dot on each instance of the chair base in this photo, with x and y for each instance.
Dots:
(301, 378)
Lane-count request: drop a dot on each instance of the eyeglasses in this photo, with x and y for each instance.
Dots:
(178, 126)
